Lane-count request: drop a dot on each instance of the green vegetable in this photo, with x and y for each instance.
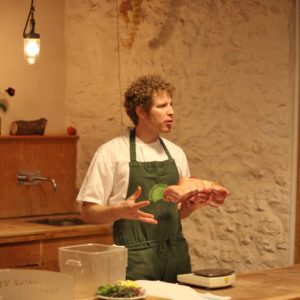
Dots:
(119, 290)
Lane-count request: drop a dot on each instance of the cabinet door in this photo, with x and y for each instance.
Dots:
(23, 254)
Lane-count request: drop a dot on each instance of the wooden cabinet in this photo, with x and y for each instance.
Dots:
(28, 245)
(24, 254)
(39, 250)
(52, 156)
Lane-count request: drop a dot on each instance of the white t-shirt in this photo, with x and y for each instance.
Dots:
(107, 178)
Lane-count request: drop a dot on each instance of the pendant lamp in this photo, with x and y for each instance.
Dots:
(31, 38)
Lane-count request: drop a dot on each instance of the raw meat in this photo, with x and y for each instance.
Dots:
(194, 189)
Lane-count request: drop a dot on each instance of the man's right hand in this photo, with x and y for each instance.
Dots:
(129, 209)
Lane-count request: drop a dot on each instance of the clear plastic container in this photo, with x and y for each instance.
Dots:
(93, 265)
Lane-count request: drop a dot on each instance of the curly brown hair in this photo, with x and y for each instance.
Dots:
(141, 92)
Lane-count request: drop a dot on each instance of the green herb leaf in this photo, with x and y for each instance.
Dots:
(119, 290)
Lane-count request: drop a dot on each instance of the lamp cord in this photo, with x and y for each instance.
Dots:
(32, 21)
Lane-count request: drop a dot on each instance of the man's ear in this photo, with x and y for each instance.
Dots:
(140, 112)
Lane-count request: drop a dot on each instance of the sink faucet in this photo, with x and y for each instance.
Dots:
(32, 178)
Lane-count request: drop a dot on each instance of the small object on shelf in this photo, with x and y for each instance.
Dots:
(71, 130)
(35, 127)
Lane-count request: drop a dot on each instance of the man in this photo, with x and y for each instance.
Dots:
(125, 183)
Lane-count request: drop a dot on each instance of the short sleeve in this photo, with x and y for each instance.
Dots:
(185, 169)
(98, 182)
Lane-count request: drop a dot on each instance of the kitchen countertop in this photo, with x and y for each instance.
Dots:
(270, 284)
(22, 229)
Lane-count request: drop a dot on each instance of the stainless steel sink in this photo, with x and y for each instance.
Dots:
(59, 222)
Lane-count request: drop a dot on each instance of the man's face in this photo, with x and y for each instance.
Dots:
(160, 116)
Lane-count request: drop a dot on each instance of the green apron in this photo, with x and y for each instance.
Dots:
(155, 252)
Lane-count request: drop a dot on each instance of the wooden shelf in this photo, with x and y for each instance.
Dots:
(38, 137)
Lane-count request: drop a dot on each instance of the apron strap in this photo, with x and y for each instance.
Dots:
(132, 145)
(133, 149)
(165, 148)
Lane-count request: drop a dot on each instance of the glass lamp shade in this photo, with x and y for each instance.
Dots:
(31, 49)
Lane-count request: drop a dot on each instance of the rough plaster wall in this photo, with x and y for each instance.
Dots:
(92, 75)
(39, 88)
(232, 64)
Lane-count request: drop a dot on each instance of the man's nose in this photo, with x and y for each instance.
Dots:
(171, 111)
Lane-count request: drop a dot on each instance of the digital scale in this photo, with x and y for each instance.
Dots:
(209, 278)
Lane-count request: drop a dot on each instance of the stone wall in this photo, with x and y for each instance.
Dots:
(233, 67)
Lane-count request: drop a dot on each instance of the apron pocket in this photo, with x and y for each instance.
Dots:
(143, 262)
